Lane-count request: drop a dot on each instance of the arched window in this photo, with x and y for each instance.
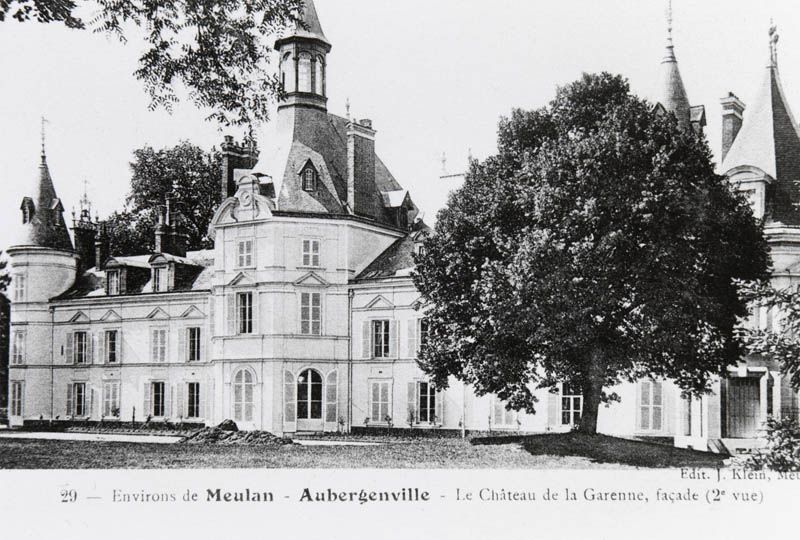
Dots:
(309, 395)
(309, 179)
(243, 396)
(287, 72)
(304, 73)
(319, 76)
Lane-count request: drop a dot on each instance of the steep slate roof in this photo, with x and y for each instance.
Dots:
(672, 91)
(91, 284)
(47, 227)
(313, 28)
(398, 259)
(770, 141)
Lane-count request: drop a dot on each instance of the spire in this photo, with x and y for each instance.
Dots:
(769, 139)
(310, 27)
(672, 92)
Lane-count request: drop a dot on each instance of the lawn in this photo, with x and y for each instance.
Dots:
(566, 451)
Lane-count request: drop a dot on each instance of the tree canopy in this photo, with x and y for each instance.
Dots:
(218, 50)
(185, 173)
(597, 246)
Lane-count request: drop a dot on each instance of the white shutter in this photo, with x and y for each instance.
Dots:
(183, 355)
(256, 308)
(331, 399)
(230, 311)
(153, 346)
(411, 411)
(182, 405)
(148, 408)
(101, 347)
(393, 339)
(366, 340)
(169, 395)
(70, 403)
(411, 335)
(120, 346)
(289, 403)
(207, 397)
(70, 356)
(90, 399)
(90, 347)
(439, 396)
(202, 345)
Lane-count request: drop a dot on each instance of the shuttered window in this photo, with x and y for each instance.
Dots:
(501, 416)
(19, 288)
(380, 400)
(113, 283)
(311, 314)
(111, 399)
(426, 402)
(158, 345)
(111, 346)
(245, 254)
(16, 398)
(243, 388)
(651, 405)
(80, 347)
(158, 397)
(193, 405)
(18, 348)
(244, 312)
(380, 339)
(159, 279)
(310, 247)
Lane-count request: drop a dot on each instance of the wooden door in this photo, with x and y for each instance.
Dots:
(744, 407)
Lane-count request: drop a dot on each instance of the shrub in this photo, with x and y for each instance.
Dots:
(782, 452)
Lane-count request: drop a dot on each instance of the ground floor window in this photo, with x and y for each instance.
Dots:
(651, 405)
(501, 416)
(380, 398)
(16, 398)
(193, 405)
(159, 396)
(111, 399)
(426, 402)
(571, 405)
(243, 387)
(309, 395)
(76, 399)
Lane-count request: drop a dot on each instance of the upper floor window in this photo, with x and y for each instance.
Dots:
(287, 73)
(309, 179)
(304, 73)
(193, 342)
(245, 254)
(159, 279)
(113, 283)
(19, 288)
(311, 314)
(244, 313)
(380, 339)
(158, 345)
(80, 349)
(18, 348)
(310, 252)
(319, 76)
(111, 345)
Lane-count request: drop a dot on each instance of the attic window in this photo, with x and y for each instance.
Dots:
(159, 279)
(113, 283)
(27, 211)
(309, 178)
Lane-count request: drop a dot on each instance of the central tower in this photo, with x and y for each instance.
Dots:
(303, 62)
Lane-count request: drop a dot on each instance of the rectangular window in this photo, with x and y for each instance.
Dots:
(310, 252)
(245, 251)
(193, 342)
(16, 398)
(79, 399)
(423, 332)
(379, 401)
(19, 288)
(571, 405)
(113, 283)
(380, 339)
(501, 416)
(427, 402)
(159, 280)
(244, 312)
(158, 398)
(111, 343)
(651, 399)
(193, 406)
(80, 351)
(311, 314)
(18, 348)
(158, 345)
(111, 399)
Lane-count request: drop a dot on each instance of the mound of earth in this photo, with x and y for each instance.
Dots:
(215, 435)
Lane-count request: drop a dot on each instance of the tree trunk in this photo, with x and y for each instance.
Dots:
(592, 391)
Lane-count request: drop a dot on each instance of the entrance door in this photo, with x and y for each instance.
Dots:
(309, 401)
(744, 407)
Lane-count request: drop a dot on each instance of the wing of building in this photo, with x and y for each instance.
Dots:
(304, 316)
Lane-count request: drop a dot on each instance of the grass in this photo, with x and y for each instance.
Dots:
(566, 451)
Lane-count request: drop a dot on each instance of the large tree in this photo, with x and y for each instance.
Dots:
(218, 50)
(598, 246)
(184, 173)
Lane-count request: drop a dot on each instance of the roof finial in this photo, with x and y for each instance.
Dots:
(774, 37)
(669, 22)
(44, 121)
(347, 106)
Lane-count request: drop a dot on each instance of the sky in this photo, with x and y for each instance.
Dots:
(433, 75)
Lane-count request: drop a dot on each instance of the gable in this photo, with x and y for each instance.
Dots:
(241, 279)
(158, 313)
(80, 317)
(111, 315)
(379, 302)
(193, 313)
(312, 279)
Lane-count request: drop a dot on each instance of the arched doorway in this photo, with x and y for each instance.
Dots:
(243, 392)
(309, 401)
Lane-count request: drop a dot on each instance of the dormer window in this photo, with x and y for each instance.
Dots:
(27, 210)
(113, 283)
(159, 279)
(309, 177)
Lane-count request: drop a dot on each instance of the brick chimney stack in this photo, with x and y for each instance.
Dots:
(236, 156)
(102, 248)
(360, 167)
(85, 233)
(732, 118)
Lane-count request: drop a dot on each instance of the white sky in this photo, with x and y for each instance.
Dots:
(434, 76)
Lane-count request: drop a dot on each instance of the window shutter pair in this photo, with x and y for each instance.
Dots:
(331, 398)
(412, 337)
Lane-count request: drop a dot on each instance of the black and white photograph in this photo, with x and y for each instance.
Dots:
(465, 269)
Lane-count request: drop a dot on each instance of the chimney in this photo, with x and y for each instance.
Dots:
(732, 118)
(101, 246)
(361, 168)
(85, 233)
(163, 230)
(236, 156)
(179, 240)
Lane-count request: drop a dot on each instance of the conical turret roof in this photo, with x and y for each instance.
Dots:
(672, 92)
(311, 27)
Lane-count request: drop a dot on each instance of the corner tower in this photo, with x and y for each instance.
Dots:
(303, 63)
